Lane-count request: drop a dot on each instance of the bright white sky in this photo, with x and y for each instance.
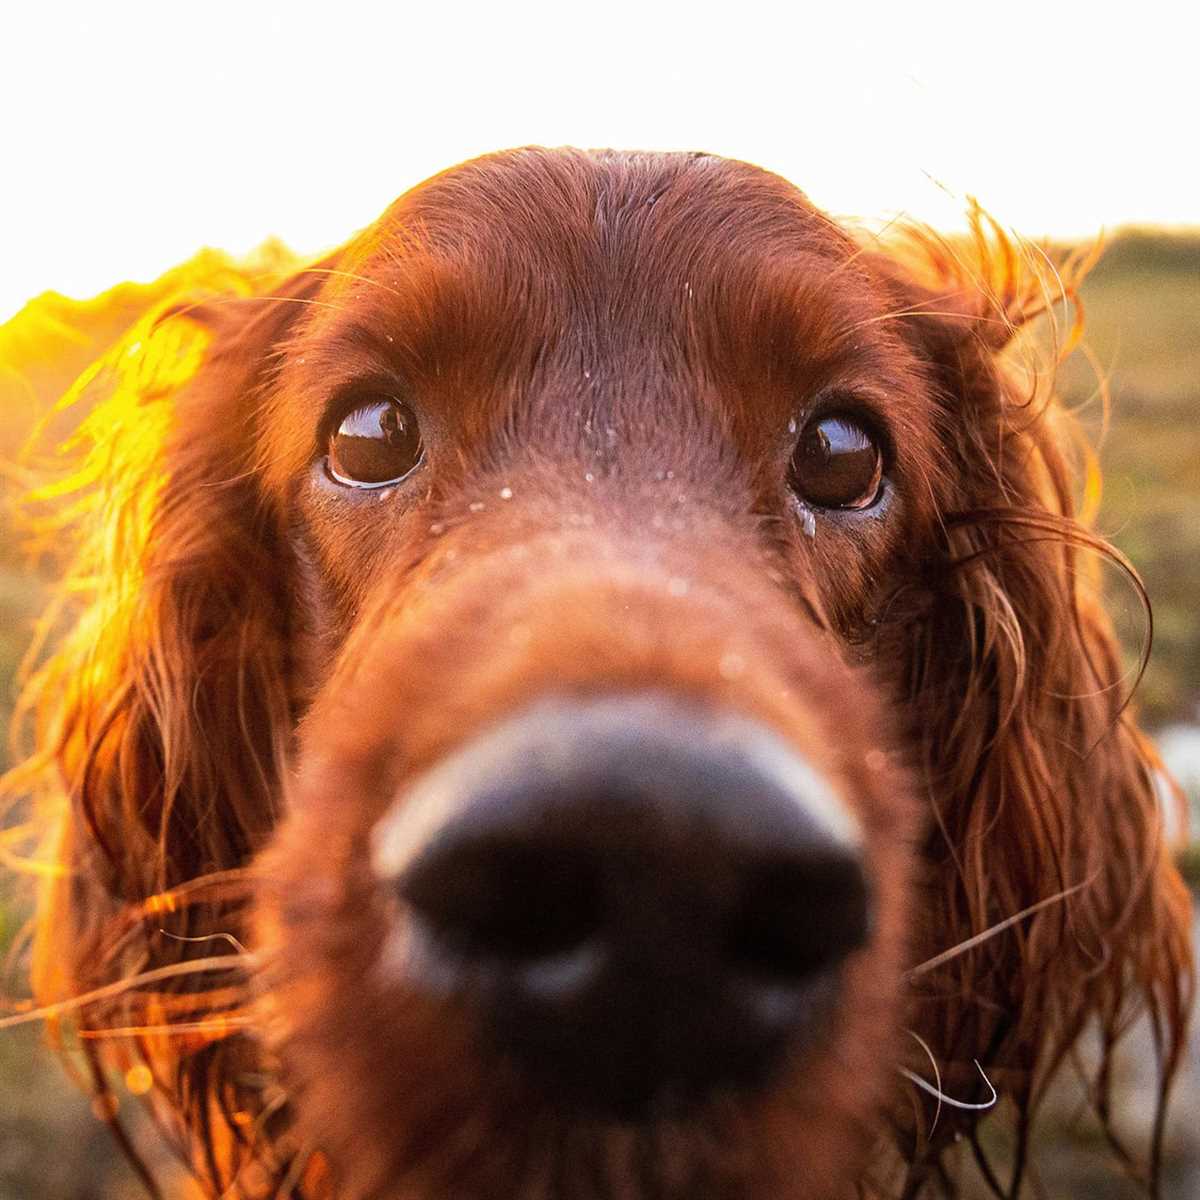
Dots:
(135, 133)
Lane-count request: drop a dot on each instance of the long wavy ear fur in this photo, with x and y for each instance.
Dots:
(1040, 785)
(162, 717)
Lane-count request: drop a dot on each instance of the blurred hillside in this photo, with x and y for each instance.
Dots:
(1142, 306)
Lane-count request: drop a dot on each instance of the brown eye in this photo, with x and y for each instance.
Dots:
(837, 464)
(377, 443)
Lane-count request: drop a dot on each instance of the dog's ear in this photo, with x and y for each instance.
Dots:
(1045, 796)
(163, 716)
(165, 706)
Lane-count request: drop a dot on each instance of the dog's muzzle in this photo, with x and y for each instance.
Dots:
(642, 900)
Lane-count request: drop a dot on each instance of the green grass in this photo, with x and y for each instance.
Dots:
(1143, 327)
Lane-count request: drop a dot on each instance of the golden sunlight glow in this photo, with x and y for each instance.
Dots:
(150, 130)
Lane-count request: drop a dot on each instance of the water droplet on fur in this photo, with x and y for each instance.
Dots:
(438, 528)
(589, 478)
(476, 506)
(793, 425)
(731, 665)
(808, 521)
(506, 493)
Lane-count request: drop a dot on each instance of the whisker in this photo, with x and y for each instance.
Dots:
(950, 1101)
(208, 937)
(222, 1026)
(199, 966)
(352, 275)
(970, 943)
(917, 310)
(937, 1077)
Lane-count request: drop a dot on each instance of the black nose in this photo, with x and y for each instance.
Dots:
(643, 900)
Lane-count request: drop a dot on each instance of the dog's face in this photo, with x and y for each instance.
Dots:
(631, 627)
(598, 461)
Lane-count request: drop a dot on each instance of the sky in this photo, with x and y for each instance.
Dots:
(134, 134)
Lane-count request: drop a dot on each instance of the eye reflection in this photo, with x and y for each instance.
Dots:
(377, 443)
(837, 464)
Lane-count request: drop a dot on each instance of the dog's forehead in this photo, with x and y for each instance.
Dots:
(619, 258)
(611, 205)
(565, 289)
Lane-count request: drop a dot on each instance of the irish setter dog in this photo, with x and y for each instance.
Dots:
(595, 690)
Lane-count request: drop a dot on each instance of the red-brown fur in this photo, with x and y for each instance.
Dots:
(257, 666)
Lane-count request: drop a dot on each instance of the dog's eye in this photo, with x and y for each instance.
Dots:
(837, 464)
(377, 443)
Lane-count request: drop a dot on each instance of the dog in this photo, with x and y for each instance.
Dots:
(594, 689)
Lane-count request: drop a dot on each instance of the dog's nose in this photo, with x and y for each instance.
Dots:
(643, 900)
